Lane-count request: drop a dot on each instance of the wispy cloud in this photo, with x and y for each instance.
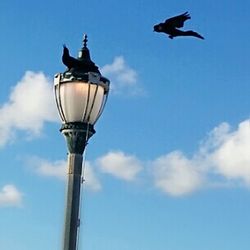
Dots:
(229, 153)
(30, 105)
(90, 178)
(221, 160)
(120, 165)
(58, 169)
(10, 196)
(176, 175)
(124, 79)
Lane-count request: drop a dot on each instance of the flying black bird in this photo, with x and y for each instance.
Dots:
(170, 27)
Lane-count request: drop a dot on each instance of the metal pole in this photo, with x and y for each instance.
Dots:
(72, 201)
(76, 135)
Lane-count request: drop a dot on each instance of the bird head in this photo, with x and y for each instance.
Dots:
(65, 49)
(157, 28)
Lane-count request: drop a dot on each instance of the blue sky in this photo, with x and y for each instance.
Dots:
(169, 166)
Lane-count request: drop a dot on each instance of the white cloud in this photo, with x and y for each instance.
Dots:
(58, 169)
(124, 79)
(10, 196)
(30, 104)
(222, 159)
(120, 165)
(231, 157)
(176, 175)
(91, 179)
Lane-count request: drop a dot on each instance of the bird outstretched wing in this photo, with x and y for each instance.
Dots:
(177, 21)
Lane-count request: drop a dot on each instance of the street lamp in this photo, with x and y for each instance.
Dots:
(81, 93)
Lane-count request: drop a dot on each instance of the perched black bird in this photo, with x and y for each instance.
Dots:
(170, 27)
(68, 60)
(83, 63)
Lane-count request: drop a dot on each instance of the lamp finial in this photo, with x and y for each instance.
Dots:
(85, 40)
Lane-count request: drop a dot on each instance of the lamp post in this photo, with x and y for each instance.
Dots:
(81, 93)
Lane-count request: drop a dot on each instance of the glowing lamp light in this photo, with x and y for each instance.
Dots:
(81, 100)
